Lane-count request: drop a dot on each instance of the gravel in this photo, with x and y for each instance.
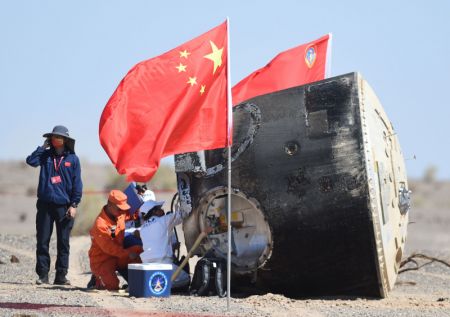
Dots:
(418, 293)
(425, 292)
(20, 296)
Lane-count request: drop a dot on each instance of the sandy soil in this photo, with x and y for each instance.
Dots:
(417, 293)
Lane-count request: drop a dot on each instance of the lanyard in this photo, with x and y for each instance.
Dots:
(59, 164)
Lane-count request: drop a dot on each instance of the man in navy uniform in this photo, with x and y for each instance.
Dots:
(59, 193)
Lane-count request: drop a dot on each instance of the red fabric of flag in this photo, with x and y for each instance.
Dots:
(298, 66)
(172, 103)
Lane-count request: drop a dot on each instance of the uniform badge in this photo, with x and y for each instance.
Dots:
(310, 56)
(68, 164)
(55, 179)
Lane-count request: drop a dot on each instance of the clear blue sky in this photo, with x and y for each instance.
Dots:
(61, 60)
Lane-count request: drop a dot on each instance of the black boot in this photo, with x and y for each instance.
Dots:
(92, 282)
(43, 279)
(60, 279)
(124, 273)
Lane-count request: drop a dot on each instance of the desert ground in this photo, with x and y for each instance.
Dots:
(424, 292)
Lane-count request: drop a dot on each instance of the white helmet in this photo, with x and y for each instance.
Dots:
(148, 195)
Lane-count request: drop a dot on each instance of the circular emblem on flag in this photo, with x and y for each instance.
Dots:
(310, 56)
(157, 283)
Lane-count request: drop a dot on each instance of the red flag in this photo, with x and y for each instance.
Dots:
(172, 103)
(298, 66)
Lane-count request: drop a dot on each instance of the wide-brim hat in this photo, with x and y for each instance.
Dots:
(149, 205)
(61, 130)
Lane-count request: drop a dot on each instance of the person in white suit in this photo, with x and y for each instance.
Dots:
(156, 235)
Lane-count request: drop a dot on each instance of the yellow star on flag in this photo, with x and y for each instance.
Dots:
(181, 68)
(192, 81)
(184, 54)
(215, 56)
(202, 89)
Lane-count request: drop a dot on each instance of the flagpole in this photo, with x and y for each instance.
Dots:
(328, 58)
(229, 135)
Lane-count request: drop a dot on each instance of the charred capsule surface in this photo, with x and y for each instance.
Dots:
(320, 199)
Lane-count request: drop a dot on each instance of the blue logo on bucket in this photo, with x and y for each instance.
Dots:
(157, 283)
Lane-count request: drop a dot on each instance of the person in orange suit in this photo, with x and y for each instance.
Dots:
(107, 254)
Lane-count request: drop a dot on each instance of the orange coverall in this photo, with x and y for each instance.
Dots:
(107, 254)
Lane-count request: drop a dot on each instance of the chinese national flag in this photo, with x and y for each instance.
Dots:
(172, 103)
(298, 66)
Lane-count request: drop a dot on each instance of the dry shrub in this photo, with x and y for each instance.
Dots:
(430, 174)
(115, 181)
(31, 191)
(164, 179)
(87, 211)
(91, 204)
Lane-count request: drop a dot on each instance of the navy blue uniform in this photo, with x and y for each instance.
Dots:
(58, 188)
